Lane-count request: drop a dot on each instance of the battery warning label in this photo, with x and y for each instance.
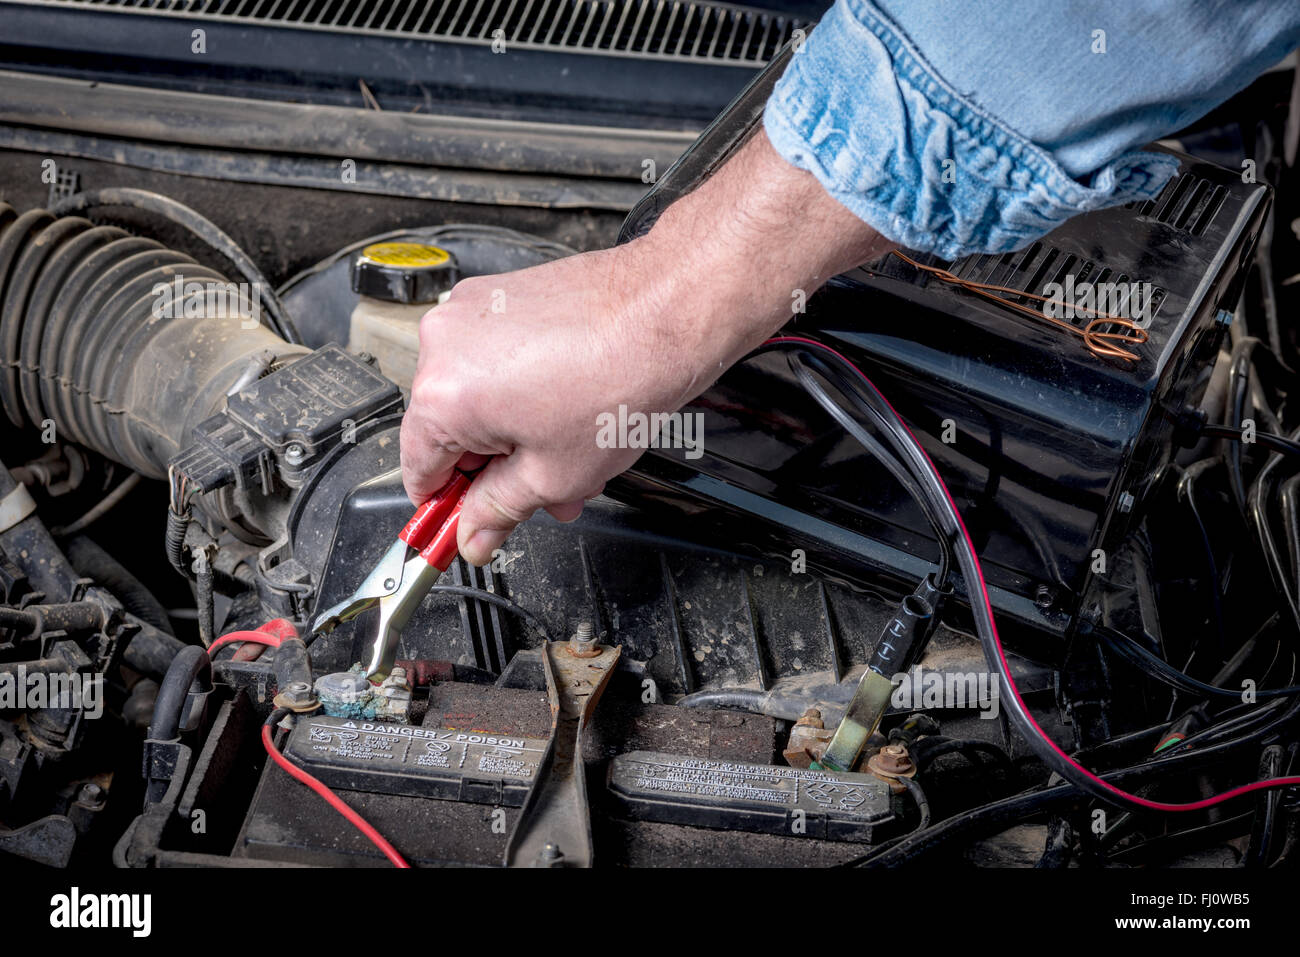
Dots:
(428, 762)
(731, 794)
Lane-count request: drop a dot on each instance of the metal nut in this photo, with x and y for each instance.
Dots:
(550, 856)
(297, 696)
(812, 718)
(891, 763)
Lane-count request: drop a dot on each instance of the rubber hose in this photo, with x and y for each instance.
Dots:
(198, 226)
(91, 561)
(189, 667)
(31, 547)
(151, 651)
(1272, 763)
(24, 622)
(94, 336)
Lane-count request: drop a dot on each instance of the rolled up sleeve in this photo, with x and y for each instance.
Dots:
(958, 129)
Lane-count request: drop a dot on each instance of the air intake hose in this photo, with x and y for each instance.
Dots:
(123, 344)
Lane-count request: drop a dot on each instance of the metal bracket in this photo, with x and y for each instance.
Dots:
(554, 827)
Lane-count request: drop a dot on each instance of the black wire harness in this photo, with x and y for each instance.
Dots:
(907, 448)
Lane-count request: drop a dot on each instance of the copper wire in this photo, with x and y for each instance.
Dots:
(1099, 335)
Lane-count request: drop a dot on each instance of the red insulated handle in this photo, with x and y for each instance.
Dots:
(433, 514)
(441, 550)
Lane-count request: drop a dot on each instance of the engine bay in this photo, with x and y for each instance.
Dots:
(771, 642)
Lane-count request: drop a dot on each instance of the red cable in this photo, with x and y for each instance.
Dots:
(334, 801)
(997, 639)
(254, 637)
(281, 628)
(271, 634)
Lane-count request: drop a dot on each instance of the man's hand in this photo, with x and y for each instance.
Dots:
(520, 366)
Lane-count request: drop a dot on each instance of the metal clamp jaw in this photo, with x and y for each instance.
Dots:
(402, 578)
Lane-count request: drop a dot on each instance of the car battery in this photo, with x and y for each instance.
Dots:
(447, 790)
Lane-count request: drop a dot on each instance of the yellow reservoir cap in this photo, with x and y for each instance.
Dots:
(408, 255)
(404, 272)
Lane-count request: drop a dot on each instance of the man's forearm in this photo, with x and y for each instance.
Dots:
(747, 244)
(647, 326)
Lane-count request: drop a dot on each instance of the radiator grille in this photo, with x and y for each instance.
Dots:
(648, 29)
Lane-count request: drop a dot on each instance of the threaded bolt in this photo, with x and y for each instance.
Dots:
(583, 643)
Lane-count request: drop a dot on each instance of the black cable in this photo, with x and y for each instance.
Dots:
(1241, 719)
(922, 802)
(895, 468)
(1230, 720)
(1161, 670)
(491, 598)
(926, 753)
(991, 817)
(1271, 764)
(1177, 843)
(1238, 390)
(1254, 715)
(1274, 443)
(1257, 500)
(1090, 755)
(932, 500)
(1247, 723)
(1288, 500)
(900, 438)
(205, 599)
(178, 524)
(1186, 491)
(737, 699)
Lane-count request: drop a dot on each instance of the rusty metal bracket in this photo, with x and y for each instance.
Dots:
(554, 827)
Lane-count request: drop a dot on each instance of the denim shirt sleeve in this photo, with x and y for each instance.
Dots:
(979, 126)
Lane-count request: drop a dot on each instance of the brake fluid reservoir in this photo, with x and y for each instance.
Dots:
(397, 283)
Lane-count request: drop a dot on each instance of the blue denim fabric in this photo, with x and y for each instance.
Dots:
(1009, 99)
